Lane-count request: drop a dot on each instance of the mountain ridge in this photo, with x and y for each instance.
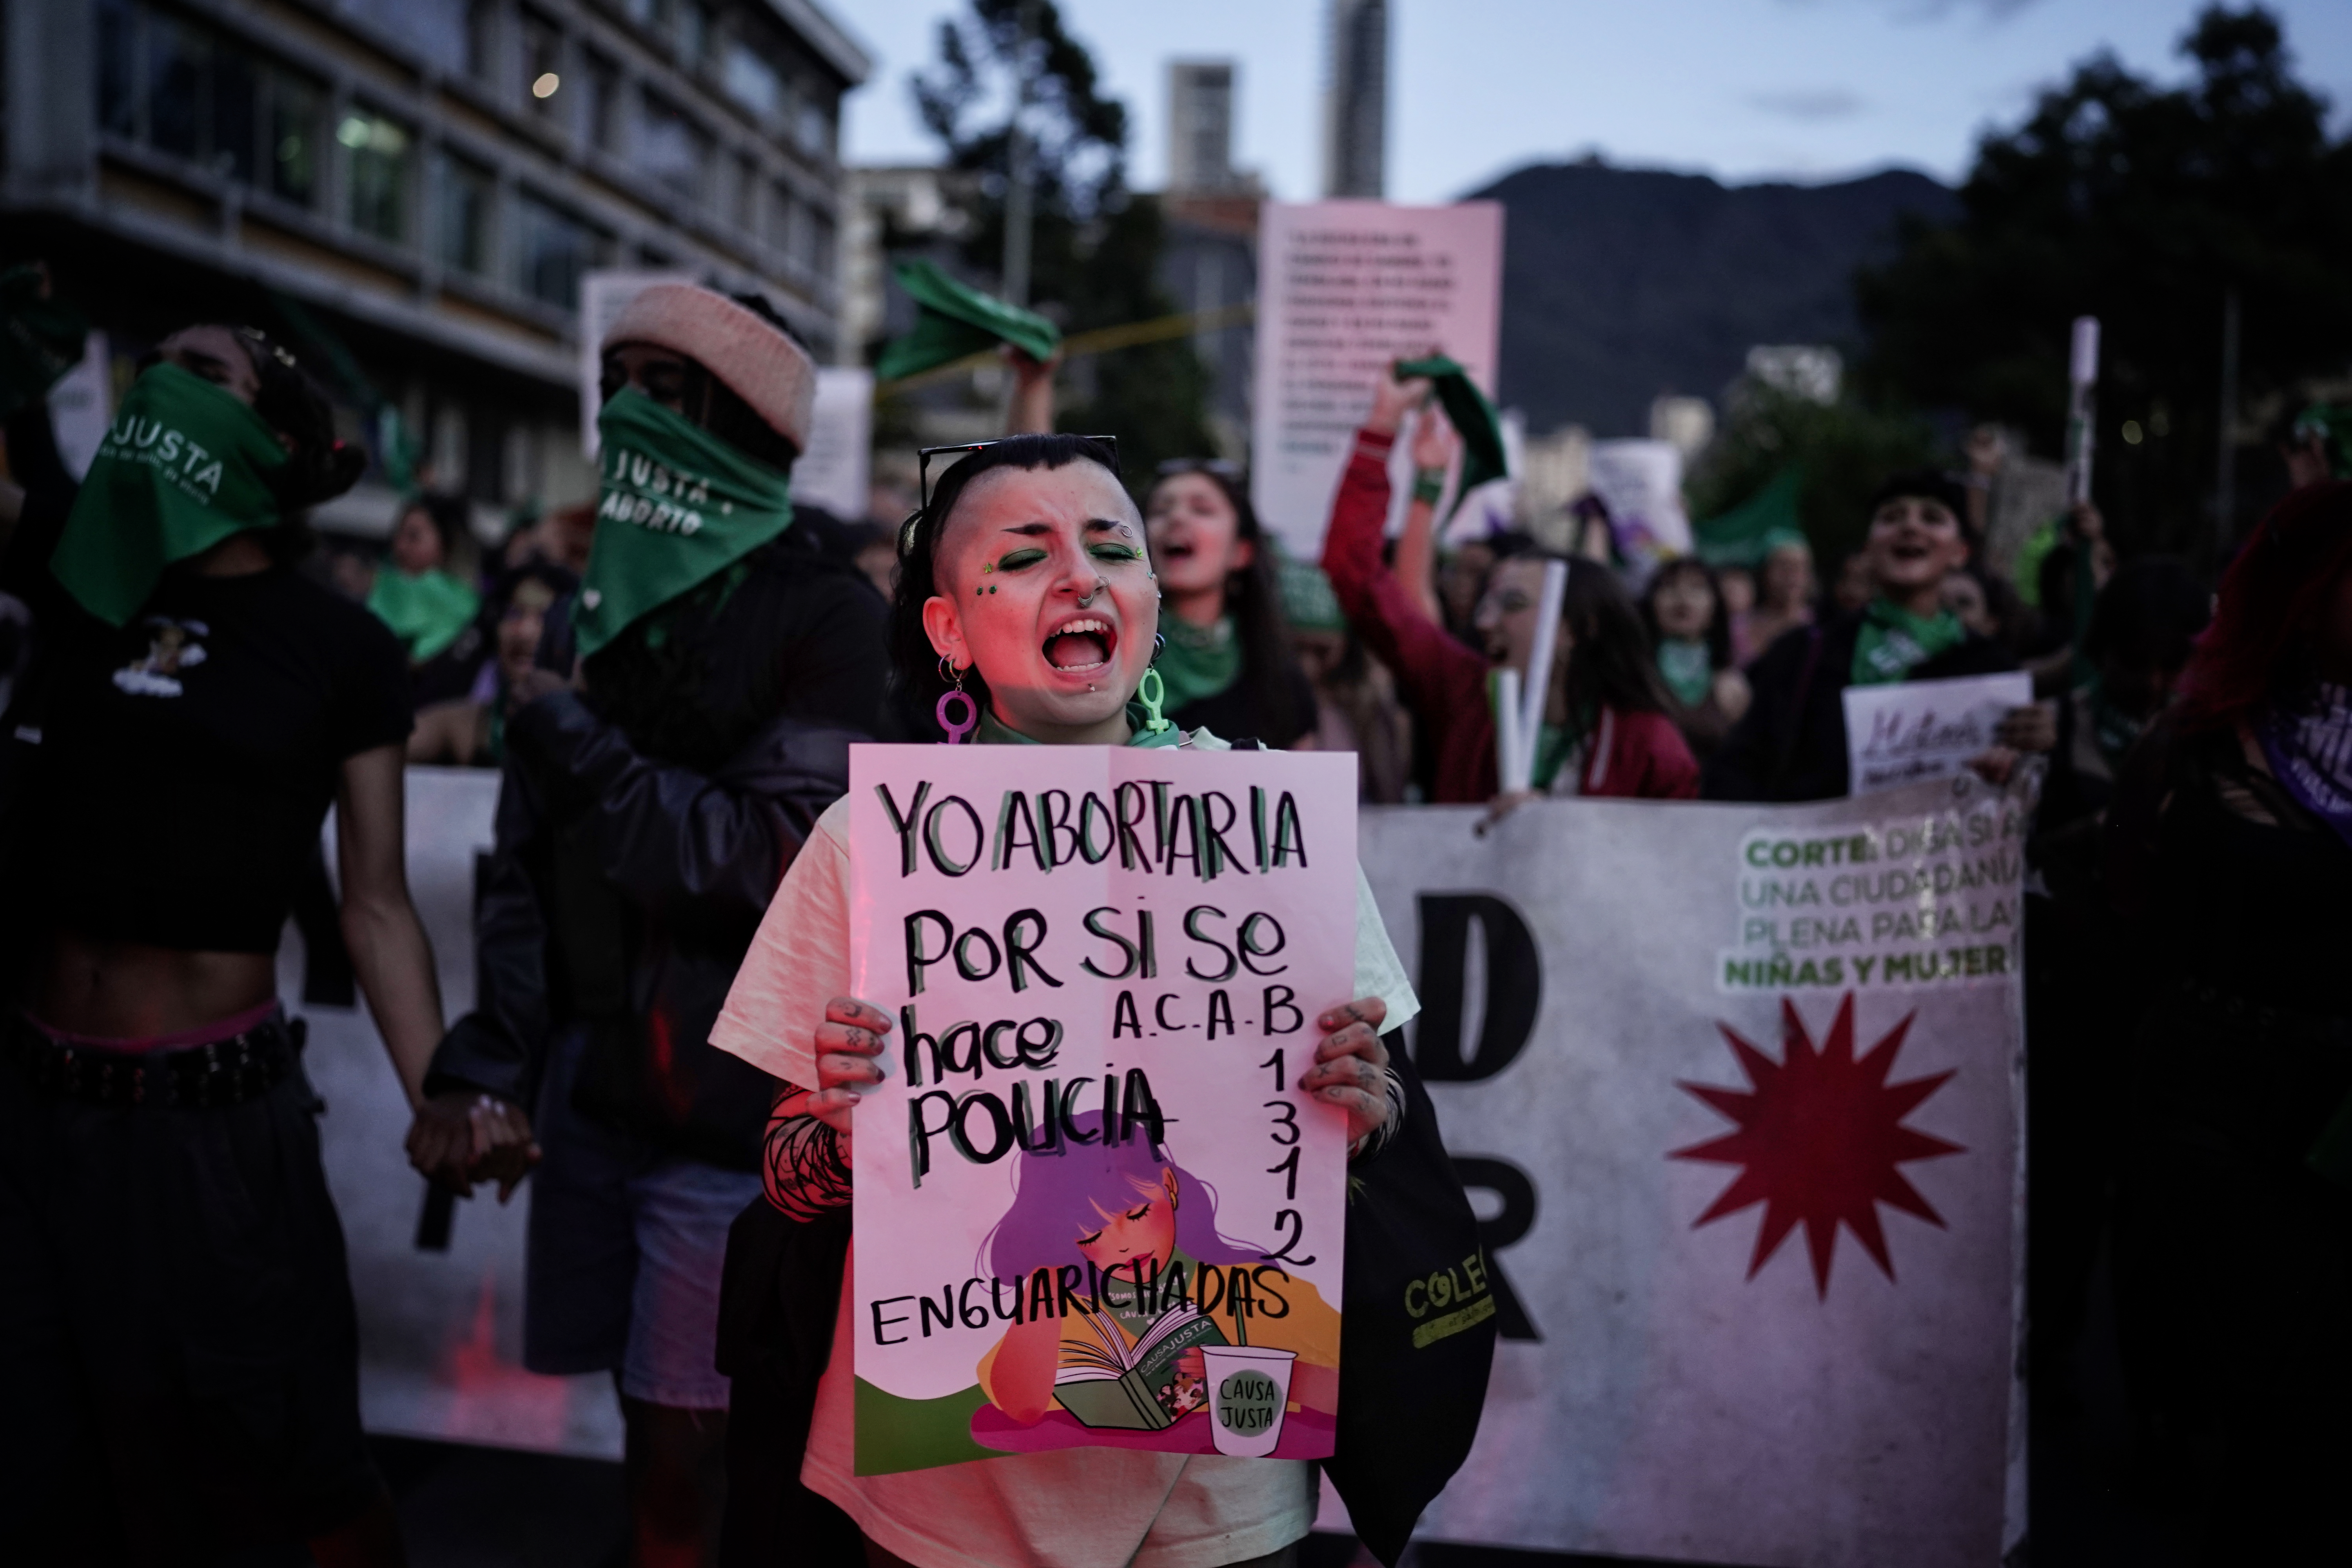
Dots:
(1620, 285)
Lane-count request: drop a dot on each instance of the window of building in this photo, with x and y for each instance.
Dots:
(782, 210)
(293, 113)
(821, 245)
(600, 93)
(693, 33)
(378, 168)
(464, 194)
(552, 249)
(747, 194)
(673, 150)
(752, 81)
(543, 65)
(482, 40)
(646, 13)
(812, 126)
(177, 87)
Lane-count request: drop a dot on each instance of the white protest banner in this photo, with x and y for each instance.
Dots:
(1739, 1089)
(604, 293)
(833, 473)
(1093, 1206)
(1911, 730)
(1345, 287)
(440, 1330)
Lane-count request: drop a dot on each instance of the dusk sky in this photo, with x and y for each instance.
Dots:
(1743, 89)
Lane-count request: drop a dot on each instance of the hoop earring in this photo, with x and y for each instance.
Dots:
(958, 730)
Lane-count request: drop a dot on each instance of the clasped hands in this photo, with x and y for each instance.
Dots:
(460, 1137)
(1351, 1067)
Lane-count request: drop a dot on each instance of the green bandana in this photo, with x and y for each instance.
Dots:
(1307, 602)
(41, 339)
(1198, 662)
(994, 732)
(1895, 642)
(679, 506)
(1687, 669)
(1473, 419)
(954, 321)
(426, 612)
(184, 466)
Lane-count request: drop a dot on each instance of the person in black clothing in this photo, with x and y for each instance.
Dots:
(648, 810)
(2080, 989)
(2230, 856)
(177, 1334)
(1791, 743)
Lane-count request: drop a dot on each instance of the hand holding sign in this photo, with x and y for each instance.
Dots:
(848, 1043)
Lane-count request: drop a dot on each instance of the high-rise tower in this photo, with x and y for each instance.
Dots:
(1200, 125)
(1355, 100)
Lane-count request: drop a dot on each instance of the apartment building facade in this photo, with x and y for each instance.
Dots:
(409, 191)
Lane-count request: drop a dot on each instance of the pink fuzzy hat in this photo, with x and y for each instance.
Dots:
(755, 362)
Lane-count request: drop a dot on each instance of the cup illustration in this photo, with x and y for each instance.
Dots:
(1249, 1389)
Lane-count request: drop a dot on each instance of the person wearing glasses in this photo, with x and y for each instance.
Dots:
(1605, 730)
(1228, 665)
(1023, 585)
(725, 660)
(181, 1349)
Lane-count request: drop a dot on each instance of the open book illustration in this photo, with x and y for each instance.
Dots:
(1106, 1382)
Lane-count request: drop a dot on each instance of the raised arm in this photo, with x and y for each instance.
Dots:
(1416, 551)
(1430, 667)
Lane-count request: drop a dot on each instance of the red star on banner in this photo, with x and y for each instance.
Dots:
(1819, 1137)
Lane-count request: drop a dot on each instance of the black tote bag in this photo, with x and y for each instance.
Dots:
(1417, 1327)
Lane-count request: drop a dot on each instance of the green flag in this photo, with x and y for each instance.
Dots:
(184, 466)
(1472, 417)
(680, 506)
(41, 339)
(428, 611)
(1758, 526)
(954, 321)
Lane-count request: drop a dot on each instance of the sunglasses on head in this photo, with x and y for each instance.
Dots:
(923, 459)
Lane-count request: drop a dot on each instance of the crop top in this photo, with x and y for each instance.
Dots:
(188, 759)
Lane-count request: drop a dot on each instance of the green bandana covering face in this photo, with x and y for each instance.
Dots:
(427, 611)
(1473, 419)
(1198, 662)
(1687, 670)
(184, 466)
(1894, 642)
(679, 506)
(954, 321)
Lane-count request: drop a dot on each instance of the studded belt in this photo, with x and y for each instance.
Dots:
(222, 1072)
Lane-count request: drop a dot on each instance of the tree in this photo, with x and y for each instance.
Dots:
(2143, 205)
(1095, 244)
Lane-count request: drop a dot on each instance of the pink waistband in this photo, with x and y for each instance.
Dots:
(202, 1035)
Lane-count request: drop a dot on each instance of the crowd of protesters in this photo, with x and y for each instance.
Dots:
(662, 1039)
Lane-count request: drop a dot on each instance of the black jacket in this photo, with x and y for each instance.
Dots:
(1790, 743)
(625, 888)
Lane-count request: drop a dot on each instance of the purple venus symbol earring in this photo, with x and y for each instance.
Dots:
(959, 729)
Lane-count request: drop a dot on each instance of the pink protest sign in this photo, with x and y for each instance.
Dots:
(1093, 1206)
